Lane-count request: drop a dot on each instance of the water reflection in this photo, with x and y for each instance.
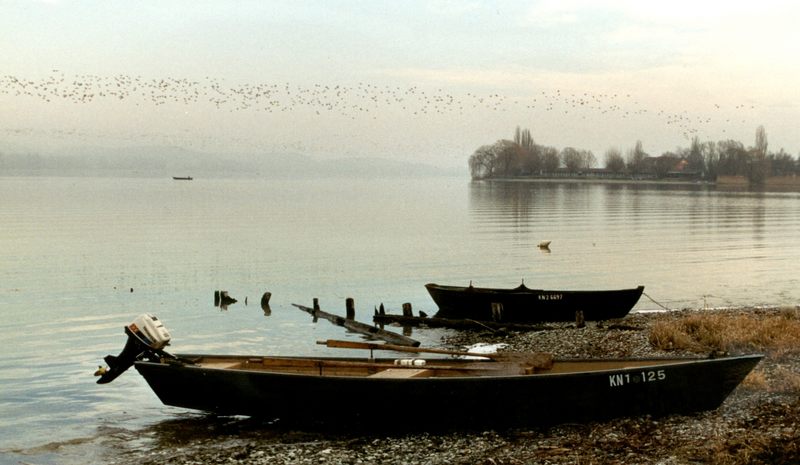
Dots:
(684, 241)
(691, 246)
(523, 208)
(265, 303)
(223, 300)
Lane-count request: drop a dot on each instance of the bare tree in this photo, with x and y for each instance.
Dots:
(759, 165)
(523, 138)
(550, 159)
(572, 160)
(781, 163)
(710, 160)
(502, 158)
(733, 158)
(482, 162)
(589, 160)
(695, 160)
(523, 156)
(614, 161)
(530, 159)
(761, 142)
(509, 158)
(636, 158)
(576, 160)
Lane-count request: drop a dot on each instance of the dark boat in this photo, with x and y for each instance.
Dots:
(523, 305)
(419, 394)
(182, 178)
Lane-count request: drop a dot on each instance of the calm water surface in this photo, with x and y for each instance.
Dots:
(81, 257)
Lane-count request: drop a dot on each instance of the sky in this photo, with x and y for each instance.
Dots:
(425, 81)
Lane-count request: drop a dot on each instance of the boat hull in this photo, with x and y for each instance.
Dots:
(523, 305)
(460, 402)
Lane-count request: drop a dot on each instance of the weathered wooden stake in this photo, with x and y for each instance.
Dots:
(225, 299)
(265, 303)
(350, 308)
(361, 328)
(580, 322)
(407, 311)
(497, 311)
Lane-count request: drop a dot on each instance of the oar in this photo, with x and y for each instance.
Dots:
(338, 344)
(534, 360)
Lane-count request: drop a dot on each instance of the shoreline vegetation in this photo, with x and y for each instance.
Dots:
(725, 164)
(758, 424)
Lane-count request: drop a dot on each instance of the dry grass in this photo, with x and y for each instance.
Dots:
(756, 380)
(753, 451)
(775, 333)
(781, 380)
(786, 381)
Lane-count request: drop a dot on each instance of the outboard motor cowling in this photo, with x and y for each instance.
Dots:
(145, 334)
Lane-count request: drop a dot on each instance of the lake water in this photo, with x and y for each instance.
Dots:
(81, 257)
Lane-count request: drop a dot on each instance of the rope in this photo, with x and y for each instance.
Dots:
(481, 324)
(655, 302)
(705, 301)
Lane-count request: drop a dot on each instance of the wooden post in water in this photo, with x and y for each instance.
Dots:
(226, 299)
(407, 311)
(350, 308)
(315, 310)
(361, 328)
(265, 303)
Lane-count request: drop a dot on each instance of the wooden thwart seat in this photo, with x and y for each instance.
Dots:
(402, 373)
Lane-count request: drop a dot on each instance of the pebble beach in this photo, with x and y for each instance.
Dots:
(758, 423)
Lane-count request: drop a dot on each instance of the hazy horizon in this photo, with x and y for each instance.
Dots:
(425, 82)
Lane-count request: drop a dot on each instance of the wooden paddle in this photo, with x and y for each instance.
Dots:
(338, 344)
(531, 360)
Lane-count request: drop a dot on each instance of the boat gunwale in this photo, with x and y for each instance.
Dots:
(498, 375)
(522, 289)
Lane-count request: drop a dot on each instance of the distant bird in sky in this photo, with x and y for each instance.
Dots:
(337, 100)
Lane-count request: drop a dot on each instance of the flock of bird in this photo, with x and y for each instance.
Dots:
(360, 100)
(345, 100)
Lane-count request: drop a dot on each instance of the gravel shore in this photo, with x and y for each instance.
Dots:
(758, 423)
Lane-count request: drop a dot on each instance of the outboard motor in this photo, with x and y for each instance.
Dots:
(146, 334)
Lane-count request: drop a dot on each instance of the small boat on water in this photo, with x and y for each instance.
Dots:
(524, 305)
(418, 394)
(182, 178)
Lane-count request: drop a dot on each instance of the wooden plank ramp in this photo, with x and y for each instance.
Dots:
(361, 328)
